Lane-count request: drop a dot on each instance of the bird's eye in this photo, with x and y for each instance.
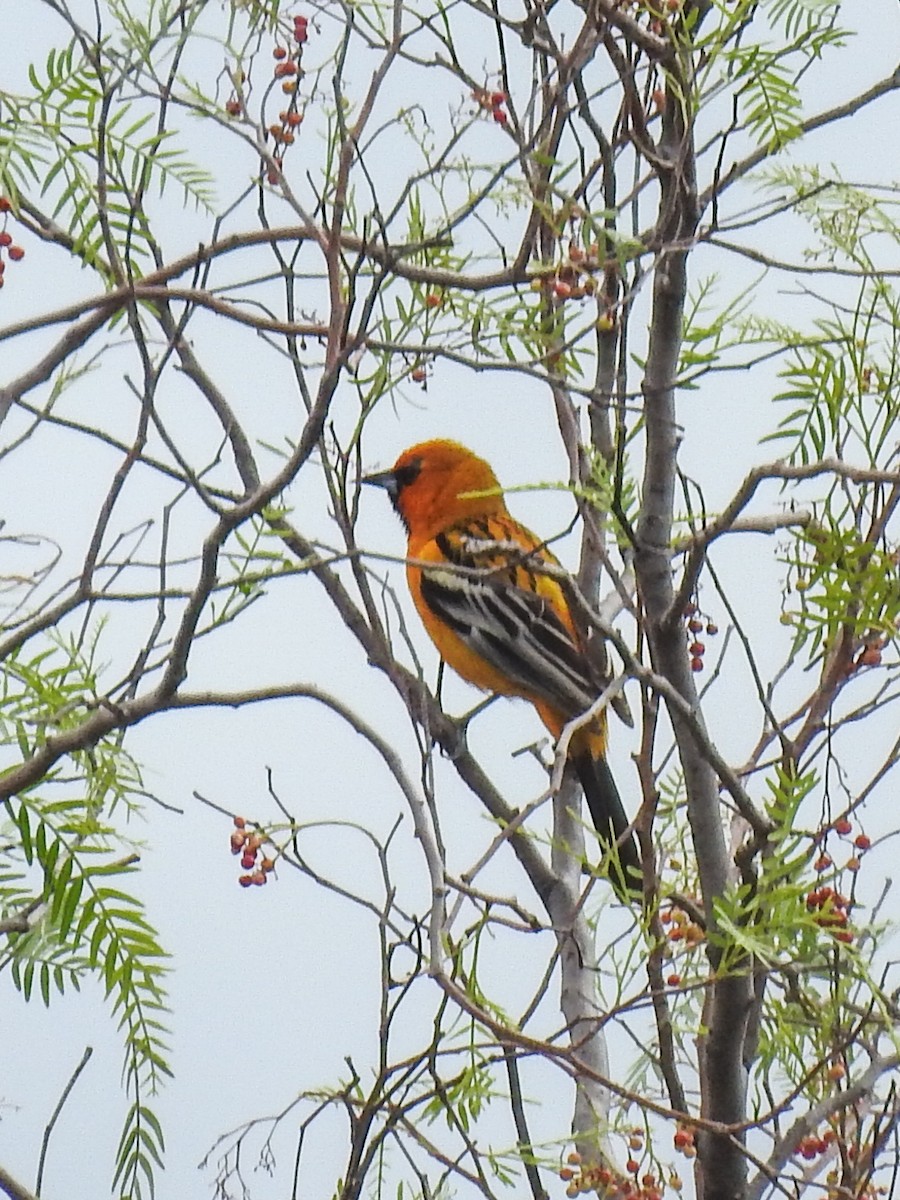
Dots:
(408, 473)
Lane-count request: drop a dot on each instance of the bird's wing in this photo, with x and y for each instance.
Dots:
(490, 589)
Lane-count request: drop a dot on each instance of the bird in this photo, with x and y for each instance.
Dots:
(490, 595)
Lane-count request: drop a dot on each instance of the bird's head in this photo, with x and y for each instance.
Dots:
(435, 484)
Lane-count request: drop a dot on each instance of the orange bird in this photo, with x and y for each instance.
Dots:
(499, 620)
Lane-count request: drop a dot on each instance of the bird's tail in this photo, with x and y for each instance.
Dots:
(611, 822)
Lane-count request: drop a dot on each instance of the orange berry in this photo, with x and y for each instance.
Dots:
(682, 1138)
(259, 878)
(288, 87)
(852, 863)
(418, 375)
(433, 300)
(237, 841)
(862, 841)
(836, 1071)
(843, 826)
(294, 119)
(674, 981)
(267, 864)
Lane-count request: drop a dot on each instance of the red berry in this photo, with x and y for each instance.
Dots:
(696, 664)
(673, 981)
(844, 935)
(289, 67)
(696, 649)
(248, 860)
(712, 628)
(418, 375)
(633, 1166)
(16, 253)
(433, 300)
(682, 1138)
(822, 863)
(5, 238)
(245, 881)
(498, 98)
(695, 625)
(5, 204)
(237, 841)
(843, 826)
(301, 20)
(259, 878)
(500, 116)
(862, 841)
(301, 34)
(239, 822)
(279, 52)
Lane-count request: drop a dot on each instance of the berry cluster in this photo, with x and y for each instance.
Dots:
(288, 70)
(492, 102)
(682, 929)
(583, 1177)
(574, 278)
(248, 845)
(13, 252)
(812, 1146)
(697, 623)
(843, 827)
(832, 912)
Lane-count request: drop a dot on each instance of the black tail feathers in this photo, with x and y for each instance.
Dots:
(611, 822)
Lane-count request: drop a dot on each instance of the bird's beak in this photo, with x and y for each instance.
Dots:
(384, 479)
